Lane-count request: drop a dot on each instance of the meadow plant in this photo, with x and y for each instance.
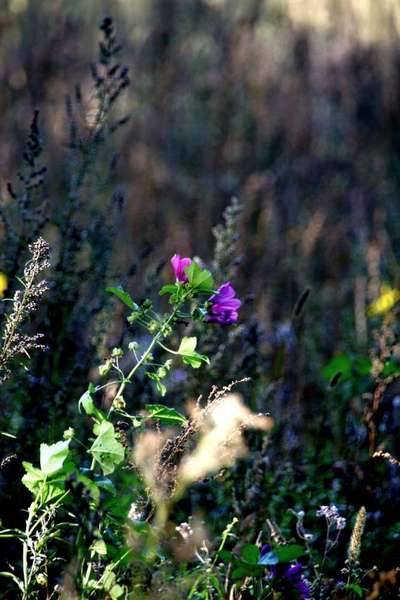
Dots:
(164, 469)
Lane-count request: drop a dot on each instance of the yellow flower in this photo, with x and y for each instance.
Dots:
(387, 299)
(3, 284)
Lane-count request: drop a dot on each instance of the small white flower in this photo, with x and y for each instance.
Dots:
(184, 530)
(134, 513)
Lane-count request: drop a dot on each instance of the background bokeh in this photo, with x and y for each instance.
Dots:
(291, 106)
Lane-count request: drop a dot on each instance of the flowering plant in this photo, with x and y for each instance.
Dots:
(64, 474)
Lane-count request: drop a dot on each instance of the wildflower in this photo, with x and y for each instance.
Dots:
(184, 530)
(293, 578)
(356, 536)
(135, 514)
(285, 578)
(3, 284)
(332, 516)
(385, 302)
(224, 305)
(179, 265)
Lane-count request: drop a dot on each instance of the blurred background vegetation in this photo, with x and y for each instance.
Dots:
(291, 106)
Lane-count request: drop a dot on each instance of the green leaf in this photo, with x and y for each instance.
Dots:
(391, 367)
(168, 289)
(339, 364)
(106, 449)
(250, 554)
(239, 573)
(166, 414)
(52, 457)
(123, 296)
(199, 278)
(117, 591)
(363, 365)
(108, 578)
(99, 546)
(161, 388)
(188, 353)
(86, 403)
(106, 484)
(225, 555)
(32, 478)
(37, 482)
(357, 589)
(288, 553)
(187, 345)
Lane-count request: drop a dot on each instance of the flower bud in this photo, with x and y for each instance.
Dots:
(69, 433)
(41, 579)
(119, 403)
(105, 368)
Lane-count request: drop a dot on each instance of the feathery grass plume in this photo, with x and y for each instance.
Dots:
(354, 549)
(174, 449)
(212, 439)
(221, 442)
(226, 237)
(387, 456)
(24, 303)
(24, 214)
(146, 455)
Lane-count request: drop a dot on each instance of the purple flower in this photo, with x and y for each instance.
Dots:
(285, 578)
(295, 579)
(224, 305)
(179, 265)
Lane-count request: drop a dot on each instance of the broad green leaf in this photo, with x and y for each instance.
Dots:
(161, 388)
(106, 449)
(250, 554)
(391, 367)
(168, 289)
(363, 365)
(86, 403)
(225, 555)
(199, 278)
(239, 573)
(99, 546)
(116, 592)
(339, 364)
(52, 457)
(32, 478)
(108, 578)
(356, 589)
(288, 553)
(123, 296)
(106, 484)
(166, 414)
(188, 353)
(37, 483)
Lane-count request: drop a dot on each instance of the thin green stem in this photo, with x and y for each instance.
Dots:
(154, 341)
